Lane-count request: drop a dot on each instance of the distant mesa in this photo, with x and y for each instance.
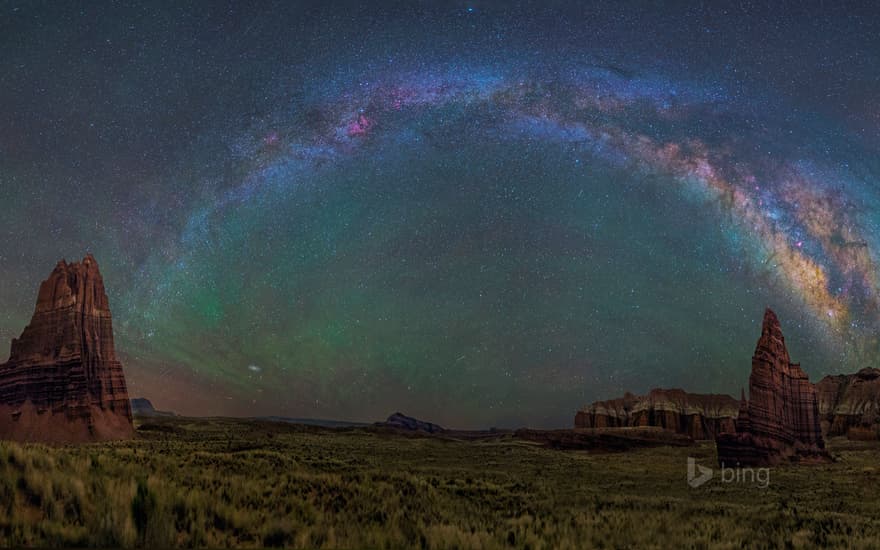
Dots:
(780, 422)
(62, 382)
(402, 422)
(849, 404)
(141, 406)
(698, 416)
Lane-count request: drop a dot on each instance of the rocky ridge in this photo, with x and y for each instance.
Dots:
(699, 416)
(849, 404)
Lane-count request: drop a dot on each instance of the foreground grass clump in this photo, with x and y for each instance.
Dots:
(213, 483)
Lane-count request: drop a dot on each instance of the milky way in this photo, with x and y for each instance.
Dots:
(476, 235)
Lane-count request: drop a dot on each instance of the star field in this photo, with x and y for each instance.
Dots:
(480, 214)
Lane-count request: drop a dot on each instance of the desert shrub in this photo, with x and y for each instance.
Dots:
(152, 517)
(278, 534)
(112, 522)
(143, 506)
(7, 495)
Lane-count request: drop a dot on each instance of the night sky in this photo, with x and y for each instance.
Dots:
(480, 214)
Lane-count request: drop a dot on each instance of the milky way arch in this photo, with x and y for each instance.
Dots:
(795, 218)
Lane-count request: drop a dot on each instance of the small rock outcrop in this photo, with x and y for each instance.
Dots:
(402, 422)
(849, 404)
(698, 416)
(780, 421)
(62, 382)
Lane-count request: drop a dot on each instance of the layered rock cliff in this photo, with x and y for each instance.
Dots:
(849, 404)
(699, 416)
(62, 382)
(780, 421)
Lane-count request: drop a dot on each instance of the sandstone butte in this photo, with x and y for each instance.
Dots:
(849, 404)
(700, 416)
(63, 383)
(780, 421)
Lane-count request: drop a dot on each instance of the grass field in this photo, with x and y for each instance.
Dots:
(187, 482)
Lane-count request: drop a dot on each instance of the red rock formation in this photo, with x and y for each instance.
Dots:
(849, 404)
(699, 416)
(62, 382)
(780, 422)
